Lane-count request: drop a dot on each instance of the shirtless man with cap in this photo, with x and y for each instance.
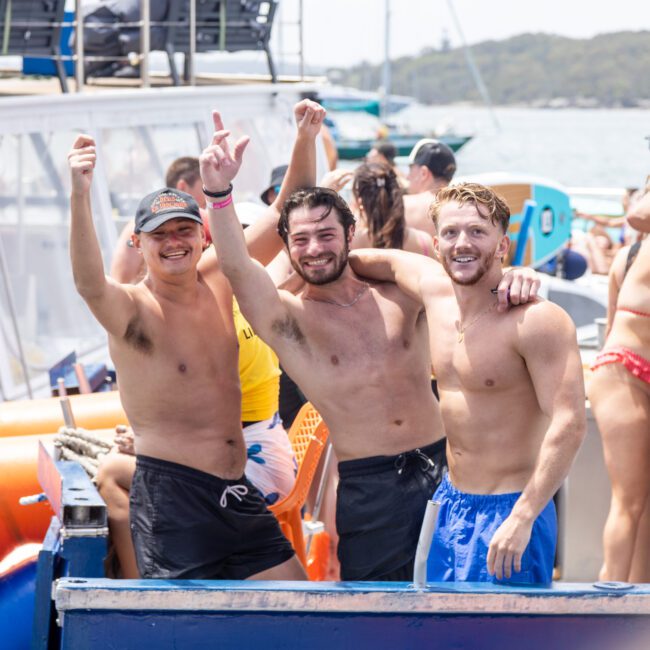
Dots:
(431, 167)
(511, 395)
(173, 341)
(358, 351)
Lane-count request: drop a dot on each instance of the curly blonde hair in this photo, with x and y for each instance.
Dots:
(489, 204)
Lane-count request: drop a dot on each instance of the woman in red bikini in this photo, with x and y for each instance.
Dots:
(620, 396)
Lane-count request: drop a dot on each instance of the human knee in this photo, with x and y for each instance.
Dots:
(107, 473)
(629, 503)
(109, 485)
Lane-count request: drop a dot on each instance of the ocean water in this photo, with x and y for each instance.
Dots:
(575, 147)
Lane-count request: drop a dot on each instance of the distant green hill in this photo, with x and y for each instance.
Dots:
(540, 69)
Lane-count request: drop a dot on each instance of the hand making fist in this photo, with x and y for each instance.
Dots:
(81, 160)
(309, 117)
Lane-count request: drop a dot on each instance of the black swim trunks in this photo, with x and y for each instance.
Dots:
(380, 507)
(187, 524)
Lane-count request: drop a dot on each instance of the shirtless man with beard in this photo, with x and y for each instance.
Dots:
(511, 395)
(358, 351)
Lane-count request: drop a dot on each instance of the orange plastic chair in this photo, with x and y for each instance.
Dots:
(308, 436)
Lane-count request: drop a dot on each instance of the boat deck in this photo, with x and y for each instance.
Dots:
(12, 83)
(204, 614)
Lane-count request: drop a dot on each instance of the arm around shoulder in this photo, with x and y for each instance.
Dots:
(410, 271)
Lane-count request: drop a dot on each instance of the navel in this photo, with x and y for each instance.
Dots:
(335, 360)
(398, 422)
(406, 343)
(182, 367)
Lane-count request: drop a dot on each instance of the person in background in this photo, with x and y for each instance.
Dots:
(619, 391)
(377, 198)
(385, 152)
(432, 165)
(275, 182)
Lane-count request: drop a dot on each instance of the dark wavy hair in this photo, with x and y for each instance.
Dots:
(315, 197)
(375, 186)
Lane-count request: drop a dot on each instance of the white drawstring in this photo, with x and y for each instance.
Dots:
(237, 491)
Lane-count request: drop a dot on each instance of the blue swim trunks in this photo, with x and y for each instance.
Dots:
(466, 524)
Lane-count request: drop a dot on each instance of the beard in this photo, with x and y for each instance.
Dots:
(320, 276)
(457, 276)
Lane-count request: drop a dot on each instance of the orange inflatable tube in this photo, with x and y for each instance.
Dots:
(91, 411)
(21, 524)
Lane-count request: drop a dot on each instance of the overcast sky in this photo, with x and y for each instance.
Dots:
(345, 32)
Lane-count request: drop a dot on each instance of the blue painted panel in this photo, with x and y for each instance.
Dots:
(17, 607)
(135, 631)
(549, 226)
(551, 222)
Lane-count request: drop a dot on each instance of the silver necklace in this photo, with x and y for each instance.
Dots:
(463, 328)
(354, 301)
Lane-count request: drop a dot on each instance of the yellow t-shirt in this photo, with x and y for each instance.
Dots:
(259, 372)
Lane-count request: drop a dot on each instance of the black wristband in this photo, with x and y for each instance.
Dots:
(218, 195)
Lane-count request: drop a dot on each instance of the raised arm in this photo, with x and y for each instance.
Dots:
(262, 238)
(110, 302)
(257, 296)
(556, 373)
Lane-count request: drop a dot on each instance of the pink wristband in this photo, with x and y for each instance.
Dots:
(213, 205)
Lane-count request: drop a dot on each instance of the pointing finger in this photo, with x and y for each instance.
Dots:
(217, 121)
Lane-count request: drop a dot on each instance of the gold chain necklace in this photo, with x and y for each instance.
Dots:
(463, 328)
(354, 301)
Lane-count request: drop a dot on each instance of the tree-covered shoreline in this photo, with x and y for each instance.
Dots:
(608, 70)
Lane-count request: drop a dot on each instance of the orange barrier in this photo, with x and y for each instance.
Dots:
(21, 524)
(92, 411)
(308, 436)
(318, 560)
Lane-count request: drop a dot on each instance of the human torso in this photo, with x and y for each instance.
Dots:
(416, 211)
(631, 324)
(366, 369)
(492, 418)
(178, 380)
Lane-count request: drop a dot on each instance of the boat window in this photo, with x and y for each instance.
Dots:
(36, 296)
(136, 159)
